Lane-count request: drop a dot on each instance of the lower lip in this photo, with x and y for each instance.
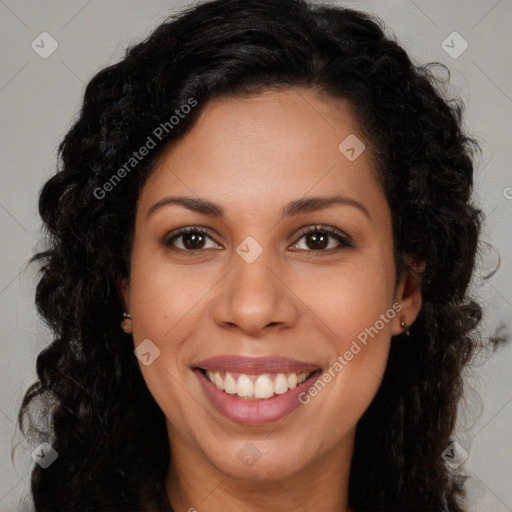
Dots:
(254, 412)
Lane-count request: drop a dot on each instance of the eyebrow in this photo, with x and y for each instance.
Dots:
(297, 207)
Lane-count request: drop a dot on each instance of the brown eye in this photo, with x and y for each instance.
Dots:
(191, 238)
(317, 241)
(318, 238)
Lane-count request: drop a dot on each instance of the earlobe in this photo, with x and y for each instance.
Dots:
(126, 324)
(123, 289)
(409, 295)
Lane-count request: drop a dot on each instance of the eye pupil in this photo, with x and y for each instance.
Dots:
(319, 241)
(192, 240)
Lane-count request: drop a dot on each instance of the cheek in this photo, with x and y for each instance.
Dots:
(349, 298)
(354, 308)
(357, 378)
(164, 300)
(359, 347)
(162, 295)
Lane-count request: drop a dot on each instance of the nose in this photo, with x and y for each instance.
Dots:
(256, 297)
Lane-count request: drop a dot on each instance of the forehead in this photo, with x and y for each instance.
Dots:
(267, 149)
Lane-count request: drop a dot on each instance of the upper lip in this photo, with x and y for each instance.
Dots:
(255, 365)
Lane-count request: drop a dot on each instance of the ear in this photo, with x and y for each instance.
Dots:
(408, 293)
(123, 289)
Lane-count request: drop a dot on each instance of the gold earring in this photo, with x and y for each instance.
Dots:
(126, 324)
(405, 327)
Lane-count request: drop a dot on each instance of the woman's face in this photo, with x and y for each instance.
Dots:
(255, 299)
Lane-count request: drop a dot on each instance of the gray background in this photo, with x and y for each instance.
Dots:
(40, 97)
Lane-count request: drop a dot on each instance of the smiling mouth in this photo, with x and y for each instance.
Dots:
(256, 387)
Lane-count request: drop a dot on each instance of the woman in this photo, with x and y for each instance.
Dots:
(261, 240)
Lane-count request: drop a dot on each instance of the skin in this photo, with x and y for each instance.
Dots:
(252, 156)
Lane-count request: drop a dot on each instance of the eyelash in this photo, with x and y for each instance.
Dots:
(345, 241)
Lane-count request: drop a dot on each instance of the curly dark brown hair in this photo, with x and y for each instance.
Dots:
(98, 407)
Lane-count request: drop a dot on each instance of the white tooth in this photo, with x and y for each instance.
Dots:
(280, 384)
(210, 376)
(292, 380)
(229, 384)
(244, 386)
(218, 380)
(263, 387)
(301, 377)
